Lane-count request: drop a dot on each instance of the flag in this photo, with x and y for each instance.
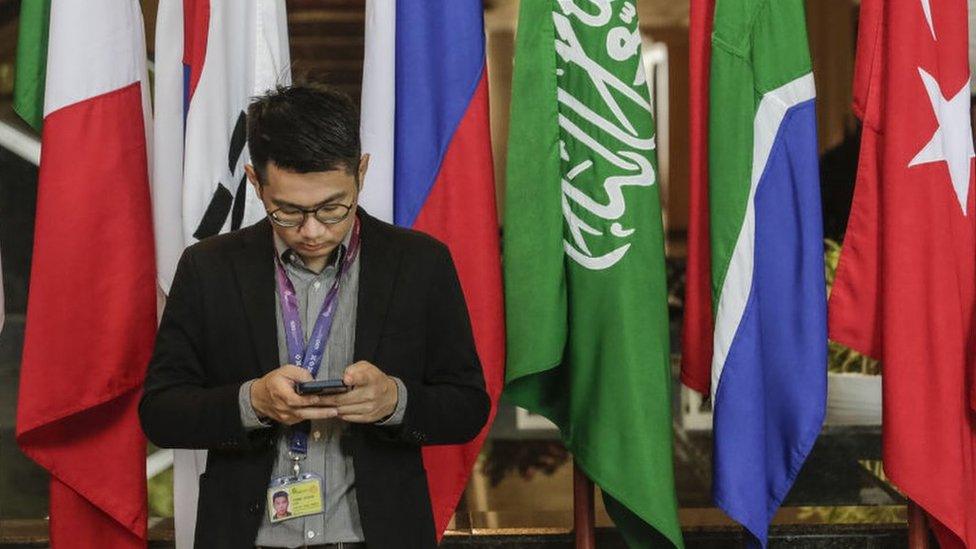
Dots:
(442, 176)
(585, 284)
(905, 287)
(697, 322)
(769, 363)
(91, 312)
(378, 107)
(31, 61)
(212, 57)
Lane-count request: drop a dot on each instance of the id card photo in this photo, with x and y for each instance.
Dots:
(296, 499)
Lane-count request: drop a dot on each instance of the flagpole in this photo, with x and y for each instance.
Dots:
(583, 510)
(918, 531)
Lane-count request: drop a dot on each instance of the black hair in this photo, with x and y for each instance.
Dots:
(303, 128)
(279, 494)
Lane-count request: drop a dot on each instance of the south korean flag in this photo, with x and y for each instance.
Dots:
(211, 58)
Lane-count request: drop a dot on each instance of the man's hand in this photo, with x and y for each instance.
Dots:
(273, 396)
(373, 397)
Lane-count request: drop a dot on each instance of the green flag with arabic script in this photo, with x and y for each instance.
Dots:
(585, 287)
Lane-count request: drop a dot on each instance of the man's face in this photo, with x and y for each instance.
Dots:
(280, 505)
(313, 240)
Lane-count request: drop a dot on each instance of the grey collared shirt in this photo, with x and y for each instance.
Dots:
(328, 452)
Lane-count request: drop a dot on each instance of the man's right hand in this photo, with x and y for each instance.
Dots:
(274, 397)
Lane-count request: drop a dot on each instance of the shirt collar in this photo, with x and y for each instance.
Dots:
(287, 255)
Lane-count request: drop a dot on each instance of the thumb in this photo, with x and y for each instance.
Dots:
(295, 373)
(357, 374)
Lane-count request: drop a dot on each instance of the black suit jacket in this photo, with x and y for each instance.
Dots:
(218, 330)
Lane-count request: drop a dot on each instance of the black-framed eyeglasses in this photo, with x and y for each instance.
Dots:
(328, 214)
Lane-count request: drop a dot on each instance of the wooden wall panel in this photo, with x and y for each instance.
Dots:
(831, 25)
(675, 187)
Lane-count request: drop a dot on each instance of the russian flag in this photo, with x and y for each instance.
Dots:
(426, 126)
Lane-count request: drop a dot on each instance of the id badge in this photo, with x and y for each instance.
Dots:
(293, 497)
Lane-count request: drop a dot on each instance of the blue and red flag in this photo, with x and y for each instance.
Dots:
(442, 175)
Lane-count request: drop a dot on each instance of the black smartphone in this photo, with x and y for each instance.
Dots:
(322, 387)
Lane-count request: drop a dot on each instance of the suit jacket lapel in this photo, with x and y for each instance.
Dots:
(377, 271)
(254, 269)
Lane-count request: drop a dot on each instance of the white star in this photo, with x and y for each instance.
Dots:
(952, 141)
(927, 8)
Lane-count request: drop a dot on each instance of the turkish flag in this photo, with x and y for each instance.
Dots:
(906, 284)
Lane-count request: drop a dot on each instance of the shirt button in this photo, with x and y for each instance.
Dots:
(317, 435)
(311, 534)
(316, 285)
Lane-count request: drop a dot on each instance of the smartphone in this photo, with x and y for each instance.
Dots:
(322, 387)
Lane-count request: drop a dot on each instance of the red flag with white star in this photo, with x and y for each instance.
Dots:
(905, 290)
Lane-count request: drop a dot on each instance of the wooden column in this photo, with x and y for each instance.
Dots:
(584, 513)
(918, 527)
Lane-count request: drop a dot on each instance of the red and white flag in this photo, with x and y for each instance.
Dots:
(212, 57)
(91, 316)
(905, 290)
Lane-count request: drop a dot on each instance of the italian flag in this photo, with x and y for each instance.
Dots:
(91, 316)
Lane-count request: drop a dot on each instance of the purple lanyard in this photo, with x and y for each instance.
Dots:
(310, 356)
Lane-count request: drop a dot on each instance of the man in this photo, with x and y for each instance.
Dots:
(247, 307)
(280, 502)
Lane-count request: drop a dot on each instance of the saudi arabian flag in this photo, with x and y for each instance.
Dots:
(584, 268)
(31, 61)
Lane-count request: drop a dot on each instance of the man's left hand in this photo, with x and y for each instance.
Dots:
(373, 397)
